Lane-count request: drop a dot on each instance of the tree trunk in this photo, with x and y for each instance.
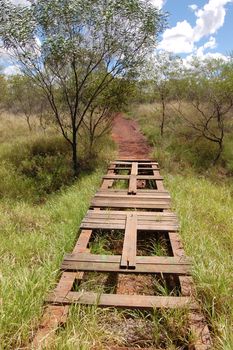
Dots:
(163, 117)
(28, 123)
(91, 141)
(220, 148)
(75, 155)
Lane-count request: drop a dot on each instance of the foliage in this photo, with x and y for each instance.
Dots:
(208, 87)
(74, 50)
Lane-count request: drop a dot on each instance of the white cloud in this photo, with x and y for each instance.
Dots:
(12, 70)
(210, 18)
(182, 37)
(216, 55)
(157, 3)
(178, 39)
(20, 2)
(193, 7)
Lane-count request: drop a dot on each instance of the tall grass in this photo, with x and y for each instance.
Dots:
(41, 207)
(202, 198)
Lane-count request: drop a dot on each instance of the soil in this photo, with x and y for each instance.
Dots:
(130, 141)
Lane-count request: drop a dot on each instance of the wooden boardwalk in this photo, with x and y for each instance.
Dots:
(132, 199)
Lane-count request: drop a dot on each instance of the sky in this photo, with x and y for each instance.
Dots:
(195, 27)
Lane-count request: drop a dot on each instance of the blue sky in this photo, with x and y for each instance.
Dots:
(195, 27)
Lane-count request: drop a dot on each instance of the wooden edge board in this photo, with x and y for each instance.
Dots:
(198, 324)
(54, 316)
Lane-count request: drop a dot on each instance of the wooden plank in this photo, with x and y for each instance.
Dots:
(131, 268)
(143, 215)
(126, 177)
(158, 203)
(134, 170)
(82, 241)
(124, 301)
(108, 183)
(133, 185)
(161, 260)
(129, 252)
(145, 197)
(166, 227)
(198, 324)
(54, 316)
(140, 191)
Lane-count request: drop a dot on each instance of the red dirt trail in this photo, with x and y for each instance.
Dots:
(130, 141)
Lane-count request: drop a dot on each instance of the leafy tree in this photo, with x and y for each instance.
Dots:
(62, 45)
(162, 72)
(3, 91)
(22, 97)
(208, 87)
(99, 119)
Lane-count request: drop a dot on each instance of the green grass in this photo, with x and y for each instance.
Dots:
(41, 208)
(33, 242)
(202, 197)
(205, 212)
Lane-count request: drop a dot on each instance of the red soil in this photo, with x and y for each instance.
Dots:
(131, 143)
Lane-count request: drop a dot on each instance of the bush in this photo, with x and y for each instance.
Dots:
(36, 167)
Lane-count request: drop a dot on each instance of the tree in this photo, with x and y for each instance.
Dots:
(22, 97)
(62, 45)
(162, 71)
(3, 91)
(102, 111)
(208, 87)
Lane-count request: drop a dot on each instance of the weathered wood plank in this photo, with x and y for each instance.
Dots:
(166, 227)
(127, 177)
(143, 215)
(124, 301)
(129, 252)
(162, 260)
(133, 267)
(156, 204)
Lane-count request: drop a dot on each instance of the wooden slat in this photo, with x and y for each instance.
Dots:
(83, 241)
(126, 177)
(134, 170)
(158, 203)
(140, 191)
(132, 185)
(132, 267)
(128, 258)
(124, 301)
(142, 215)
(136, 198)
(161, 260)
(120, 226)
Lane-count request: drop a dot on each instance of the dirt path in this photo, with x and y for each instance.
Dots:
(131, 143)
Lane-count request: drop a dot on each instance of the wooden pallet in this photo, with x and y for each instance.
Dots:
(129, 210)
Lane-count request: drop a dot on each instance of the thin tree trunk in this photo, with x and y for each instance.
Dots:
(163, 117)
(75, 155)
(28, 123)
(220, 148)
